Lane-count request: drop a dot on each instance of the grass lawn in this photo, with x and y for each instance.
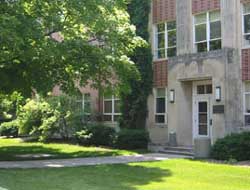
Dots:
(166, 175)
(12, 149)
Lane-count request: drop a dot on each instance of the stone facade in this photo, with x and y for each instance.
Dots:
(226, 70)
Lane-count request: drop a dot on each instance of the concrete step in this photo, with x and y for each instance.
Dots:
(179, 148)
(165, 149)
(187, 151)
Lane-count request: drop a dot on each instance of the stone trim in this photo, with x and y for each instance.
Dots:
(225, 53)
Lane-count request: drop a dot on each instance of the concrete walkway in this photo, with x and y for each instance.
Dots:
(59, 163)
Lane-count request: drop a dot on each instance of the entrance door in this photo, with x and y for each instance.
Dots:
(202, 117)
(202, 110)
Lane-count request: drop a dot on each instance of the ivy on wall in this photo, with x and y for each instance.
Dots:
(134, 104)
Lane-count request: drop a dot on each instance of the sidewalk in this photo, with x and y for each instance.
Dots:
(86, 161)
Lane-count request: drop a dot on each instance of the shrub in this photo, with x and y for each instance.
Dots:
(98, 135)
(9, 129)
(235, 146)
(132, 139)
(38, 119)
(70, 115)
(9, 105)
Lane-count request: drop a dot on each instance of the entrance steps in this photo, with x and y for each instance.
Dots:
(179, 150)
(185, 151)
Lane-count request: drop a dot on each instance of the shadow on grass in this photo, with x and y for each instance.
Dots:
(14, 153)
(103, 177)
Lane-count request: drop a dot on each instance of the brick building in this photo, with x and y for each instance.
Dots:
(201, 68)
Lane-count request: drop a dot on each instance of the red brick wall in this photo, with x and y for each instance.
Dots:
(164, 10)
(245, 1)
(245, 64)
(160, 69)
(95, 101)
(199, 6)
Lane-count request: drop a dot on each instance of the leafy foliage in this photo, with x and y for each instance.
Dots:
(134, 108)
(37, 118)
(232, 147)
(132, 139)
(9, 105)
(43, 118)
(43, 44)
(98, 135)
(70, 114)
(9, 129)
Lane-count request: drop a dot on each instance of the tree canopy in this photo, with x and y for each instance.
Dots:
(96, 42)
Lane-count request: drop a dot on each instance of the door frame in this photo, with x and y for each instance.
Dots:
(201, 98)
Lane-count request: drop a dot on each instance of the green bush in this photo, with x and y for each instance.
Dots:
(98, 135)
(9, 129)
(38, 119)
(235, 146)
(9, 105)
(70, 115)
(44, 118)
(132, 139)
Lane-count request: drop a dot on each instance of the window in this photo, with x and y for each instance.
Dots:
(111, 108)
(246, 24)
(161, 106)
(247, 104)
(165, 40)
(207, 31)
(205, 89)
(84, 105)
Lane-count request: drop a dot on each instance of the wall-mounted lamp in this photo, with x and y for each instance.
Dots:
(218, 94)
(172, 96)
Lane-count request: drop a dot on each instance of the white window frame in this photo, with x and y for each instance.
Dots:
(208, 35)
(82, 101)
(244, 104)
(83, 104)
(166, 106)
(112, 114)
(243, 25)
(155, 38)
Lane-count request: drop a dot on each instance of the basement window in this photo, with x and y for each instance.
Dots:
(160, 105)
(246, 24)
(165, 40)
(207, 31)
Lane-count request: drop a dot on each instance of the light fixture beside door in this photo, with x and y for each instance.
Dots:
(218, 94)
(172, 96)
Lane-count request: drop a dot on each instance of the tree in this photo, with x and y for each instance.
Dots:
(96, 41)
(134, 109)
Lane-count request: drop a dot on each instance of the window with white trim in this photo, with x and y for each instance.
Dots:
(207, 31)
(247, 104)
(161, 105)
(84, 105)
(111, 108)
(165, 40)
(246, 24)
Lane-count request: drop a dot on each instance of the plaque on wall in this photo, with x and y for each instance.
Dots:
(218, 109)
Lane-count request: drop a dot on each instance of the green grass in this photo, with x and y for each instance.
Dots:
(11, 148)
(166, 175)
